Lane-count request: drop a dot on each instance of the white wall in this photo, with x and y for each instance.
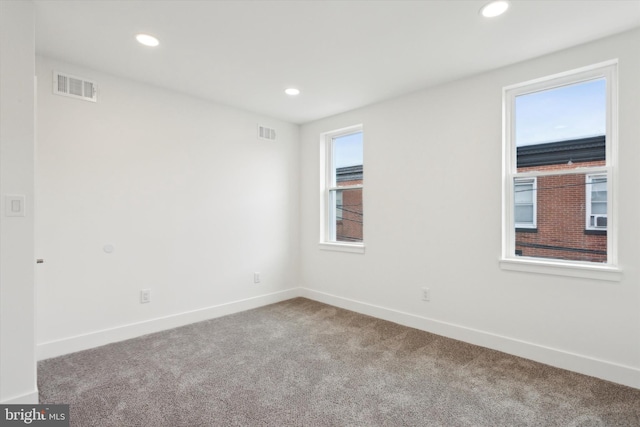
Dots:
(192, 202)
(433, 218)
(17, 309)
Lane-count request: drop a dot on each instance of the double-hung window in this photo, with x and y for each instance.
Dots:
(560, 147)
(342, 188)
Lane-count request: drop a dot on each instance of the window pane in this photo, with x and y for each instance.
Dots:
(524, 214)
(563, 126)
(348, 159)
(599, 196)
(561, 222)
(562, 113)
(523, 193)
(599, 208)
(348, 215)
(599, 190)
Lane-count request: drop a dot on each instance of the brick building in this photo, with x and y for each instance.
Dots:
(349, 205)
(562, 216)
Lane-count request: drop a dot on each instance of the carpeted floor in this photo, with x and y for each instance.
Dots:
(303, 363)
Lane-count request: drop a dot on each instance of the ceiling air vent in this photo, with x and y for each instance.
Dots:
(74, 87)
(266, 133)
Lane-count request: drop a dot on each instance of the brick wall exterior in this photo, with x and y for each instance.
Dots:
(561, 219)
(349, 228)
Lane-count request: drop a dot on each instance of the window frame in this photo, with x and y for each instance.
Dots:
(328, 189)
(509, 260)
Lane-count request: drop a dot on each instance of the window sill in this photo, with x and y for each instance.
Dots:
(526, 230)
(592, 232)
(559, 268)
(357, 248)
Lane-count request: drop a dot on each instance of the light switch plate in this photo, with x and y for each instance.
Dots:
(14, 205)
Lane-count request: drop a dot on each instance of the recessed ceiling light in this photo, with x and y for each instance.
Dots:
(495, 8)
(147, 40)
(292, 91)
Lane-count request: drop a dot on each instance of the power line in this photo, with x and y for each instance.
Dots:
(350, 220)
(348, 210)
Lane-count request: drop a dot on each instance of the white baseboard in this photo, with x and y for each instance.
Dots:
(30, 398)
(603, 369)
(56, 348)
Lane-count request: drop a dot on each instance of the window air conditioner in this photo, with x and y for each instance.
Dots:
(598, 221)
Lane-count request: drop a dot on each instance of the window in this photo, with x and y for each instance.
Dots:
(596, 196)
(559, 168)
(342, 189)
(525, 202)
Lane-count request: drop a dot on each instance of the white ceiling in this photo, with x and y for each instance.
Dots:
(340, 54)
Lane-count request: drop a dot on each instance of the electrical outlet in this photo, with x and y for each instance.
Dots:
(145, 296)
(256, 277)
(426, 294)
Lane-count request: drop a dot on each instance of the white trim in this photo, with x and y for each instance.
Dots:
(356, 248)
(509, 261)
(584, 270)
(31, 398)
(346, 187)
(328, 187)
(97, 338)
(610, 371)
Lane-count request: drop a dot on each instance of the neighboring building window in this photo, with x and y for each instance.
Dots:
(342, 208)
(525, 202)
(596, 196)
(559, 157)
(339, 205)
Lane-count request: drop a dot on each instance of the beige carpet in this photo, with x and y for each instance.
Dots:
(303, 363)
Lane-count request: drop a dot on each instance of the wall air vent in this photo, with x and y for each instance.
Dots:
(266, 133)
(74, 87)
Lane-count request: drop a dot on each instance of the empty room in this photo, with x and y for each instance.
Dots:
(320, 213)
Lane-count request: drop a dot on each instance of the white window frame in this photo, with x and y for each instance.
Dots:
(534, 201)
(588, 202)
(509, 261)
(328, 188)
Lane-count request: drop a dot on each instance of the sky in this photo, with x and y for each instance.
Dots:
(348, 150)
(567, 112)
